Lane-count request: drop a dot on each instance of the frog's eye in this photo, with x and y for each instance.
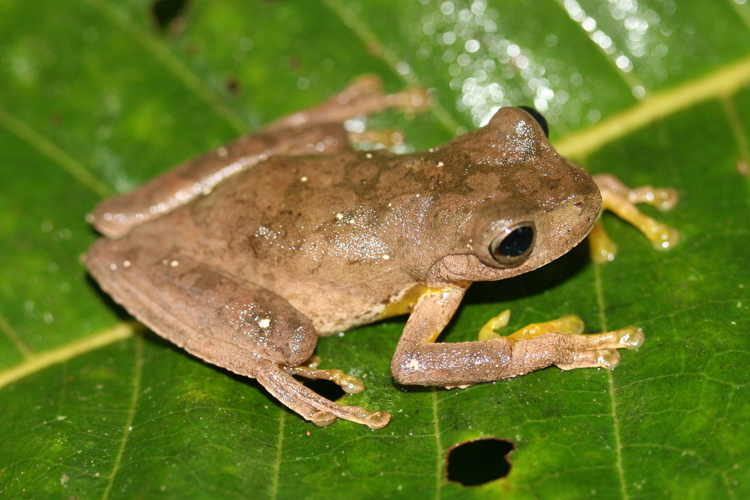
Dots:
(538, 117)
(513, 244)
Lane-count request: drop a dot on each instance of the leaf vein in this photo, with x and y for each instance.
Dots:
(724, 81)
(131, 414)
(49, 149)
(178, 68)
(742, 11)
(611, 382)
(738, 129)
(630, 80)
(46, 359)
(277, 461)
(15, 339)
(438, 445)
(376, 47)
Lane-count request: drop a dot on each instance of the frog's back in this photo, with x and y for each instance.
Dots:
(317, 231)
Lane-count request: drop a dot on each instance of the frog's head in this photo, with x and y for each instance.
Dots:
(529, 204)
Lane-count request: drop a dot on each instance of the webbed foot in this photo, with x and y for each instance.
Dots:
(565, 335)
(348, 383)
(310, 405)
(567, 324)
(621, 200)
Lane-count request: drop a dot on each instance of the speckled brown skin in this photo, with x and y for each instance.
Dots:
(306, 237)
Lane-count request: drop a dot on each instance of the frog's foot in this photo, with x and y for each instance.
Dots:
(571, 350)
(307, 403)
(621, 200)
(312, 362)
(601, 349)
(565, 335)
(664, 199)
(364, 96)
(349, 384)
(363, 138)
(567, 324)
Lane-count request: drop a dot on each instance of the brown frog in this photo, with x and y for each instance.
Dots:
(247, 254)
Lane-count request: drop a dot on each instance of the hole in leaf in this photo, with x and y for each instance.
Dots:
(478, 462)
(166, 12)
(325, 388)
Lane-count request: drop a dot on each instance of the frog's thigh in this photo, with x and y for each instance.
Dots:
(200, 308)
(420, 361)
(223, 320)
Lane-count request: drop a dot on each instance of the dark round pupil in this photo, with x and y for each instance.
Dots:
(517, 242)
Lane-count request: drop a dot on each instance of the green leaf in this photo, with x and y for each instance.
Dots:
(95, 98)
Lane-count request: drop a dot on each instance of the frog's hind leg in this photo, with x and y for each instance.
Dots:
(222, 319)
(621, 200)
(116, 216)
(311, 405)
(363, 96)
(314, 131)
(276, 379)
(348, 383)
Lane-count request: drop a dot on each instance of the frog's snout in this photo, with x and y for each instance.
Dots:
(585, 200)
(587, 204)
(575, 214)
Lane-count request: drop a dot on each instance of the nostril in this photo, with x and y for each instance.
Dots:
(579, 204)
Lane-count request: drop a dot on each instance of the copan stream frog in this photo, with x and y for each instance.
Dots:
(244, 256)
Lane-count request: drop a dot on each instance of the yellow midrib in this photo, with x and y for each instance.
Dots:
(719, 84)
(45, 359)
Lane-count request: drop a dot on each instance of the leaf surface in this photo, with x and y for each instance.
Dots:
(96, 98)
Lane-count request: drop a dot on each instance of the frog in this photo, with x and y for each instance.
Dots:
(248, 254)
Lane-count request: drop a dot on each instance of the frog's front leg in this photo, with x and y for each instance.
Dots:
(420, 361)
(226, 321)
